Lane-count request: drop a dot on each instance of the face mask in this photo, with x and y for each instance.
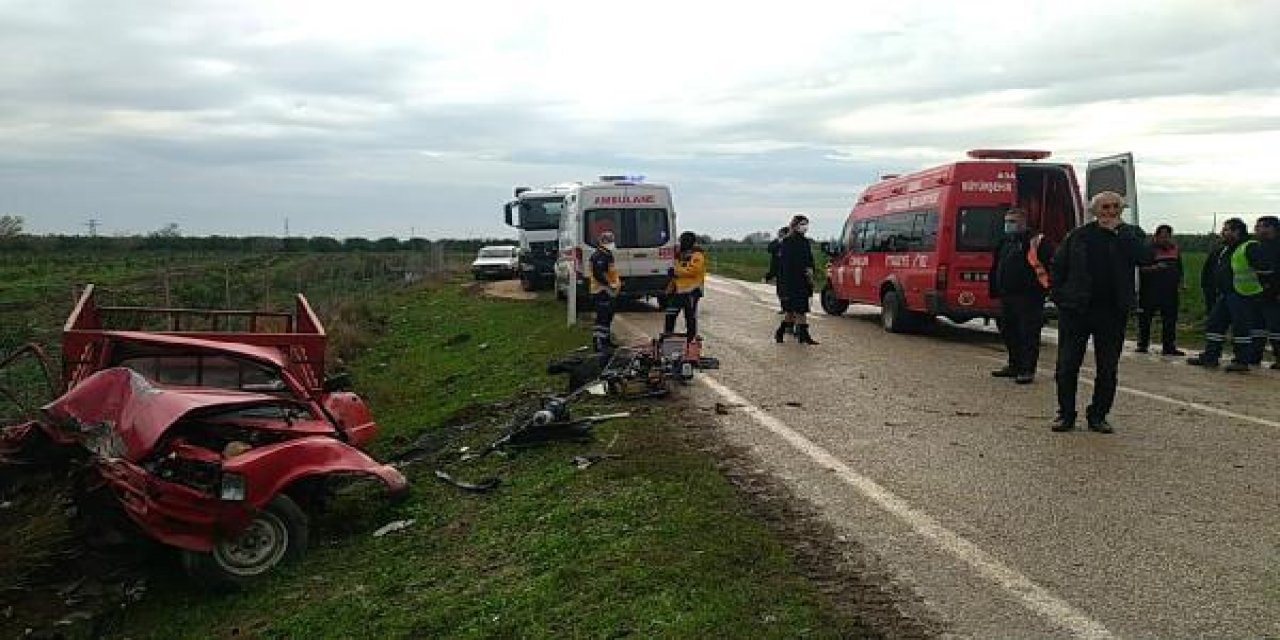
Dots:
(1010, 228)
(802, 228)
(610, 245)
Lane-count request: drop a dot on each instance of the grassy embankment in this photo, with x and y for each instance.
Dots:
(654, 543)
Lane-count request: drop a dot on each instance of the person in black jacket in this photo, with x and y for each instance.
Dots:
(775, 249)
(1266, 230)
(1158, 287)
(1020, 280)
(1208, 286)
(795, 279)
(1093, 287)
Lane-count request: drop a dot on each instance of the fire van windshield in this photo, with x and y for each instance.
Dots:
(979, 228)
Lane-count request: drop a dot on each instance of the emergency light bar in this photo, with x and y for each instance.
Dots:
(622, 179)
(1008, 154)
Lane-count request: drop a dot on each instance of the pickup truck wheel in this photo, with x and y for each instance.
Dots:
(277, 534)
(831, 304)
(892, 316)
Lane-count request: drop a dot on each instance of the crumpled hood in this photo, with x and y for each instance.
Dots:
(117, 413)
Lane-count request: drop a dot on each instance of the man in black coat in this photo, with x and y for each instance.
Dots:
(795, 279)
(1267, 230)
(1019, 279)
(1093, 287)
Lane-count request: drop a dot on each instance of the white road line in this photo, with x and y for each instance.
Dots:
(1173, 401)
(1030, 594)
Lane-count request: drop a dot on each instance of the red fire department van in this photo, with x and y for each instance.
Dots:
(920, 245)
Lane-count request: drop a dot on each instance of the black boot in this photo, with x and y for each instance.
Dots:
(783, 330)
(802, 334)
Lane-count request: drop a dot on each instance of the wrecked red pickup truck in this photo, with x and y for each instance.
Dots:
(211, 440)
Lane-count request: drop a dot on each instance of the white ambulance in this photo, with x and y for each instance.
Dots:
(643, 222)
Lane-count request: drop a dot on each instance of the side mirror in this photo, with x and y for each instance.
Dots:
(506, 213)
(337, 382)
(831, 249)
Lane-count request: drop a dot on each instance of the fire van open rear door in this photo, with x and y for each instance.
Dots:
(1113, 173)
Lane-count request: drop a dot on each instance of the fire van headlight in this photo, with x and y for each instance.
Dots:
(232, 488)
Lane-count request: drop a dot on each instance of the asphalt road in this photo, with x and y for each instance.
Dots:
(1169, 528)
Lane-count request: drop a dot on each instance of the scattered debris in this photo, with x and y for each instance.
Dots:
(793, 403)
(486, 485)
(392, 527)
(722, 409)
(967, 414)
(457, 339)
(584, 461)
(73, 617)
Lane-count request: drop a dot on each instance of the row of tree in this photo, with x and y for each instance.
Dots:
(251, 244)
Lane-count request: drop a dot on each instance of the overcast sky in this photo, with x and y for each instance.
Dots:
(379, 118)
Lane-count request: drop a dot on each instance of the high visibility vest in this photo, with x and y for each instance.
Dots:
(1243, 276)
(1033, 258)
(691, 271)
(612, 282)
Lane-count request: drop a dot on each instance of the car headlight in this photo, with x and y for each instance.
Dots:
(232, 488)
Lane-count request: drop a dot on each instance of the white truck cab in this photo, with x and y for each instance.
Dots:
(643, 221)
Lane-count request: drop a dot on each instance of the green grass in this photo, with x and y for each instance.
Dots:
(656, 543)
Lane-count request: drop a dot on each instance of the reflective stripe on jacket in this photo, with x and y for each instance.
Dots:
(1033, 258)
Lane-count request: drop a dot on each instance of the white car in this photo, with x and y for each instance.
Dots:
(496, 262)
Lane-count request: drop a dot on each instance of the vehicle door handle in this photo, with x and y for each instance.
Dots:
(639, 255)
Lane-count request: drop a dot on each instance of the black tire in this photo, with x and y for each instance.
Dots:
(831, 304)
(277, 535)
(893, 317)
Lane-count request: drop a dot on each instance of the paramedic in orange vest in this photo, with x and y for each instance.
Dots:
(604, 287)
(685, 289)
(1019, 278)
(1158, 287)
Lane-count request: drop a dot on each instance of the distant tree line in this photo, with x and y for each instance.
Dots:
(250, 244)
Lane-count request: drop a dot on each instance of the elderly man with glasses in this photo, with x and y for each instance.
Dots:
(1093, 286)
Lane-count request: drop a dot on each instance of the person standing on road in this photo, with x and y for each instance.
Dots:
(687, 276)
(1020, 280)
(1266, 229)
(605, 285)
(795, 280)
(1207, 282)
(775, 249)
(1158, 287)
(1240, 290)
(1093, 280)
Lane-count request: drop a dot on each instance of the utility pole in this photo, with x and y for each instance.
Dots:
(286, 226)
(93, 227)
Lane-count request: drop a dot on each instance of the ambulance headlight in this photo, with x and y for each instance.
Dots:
(233, 487)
